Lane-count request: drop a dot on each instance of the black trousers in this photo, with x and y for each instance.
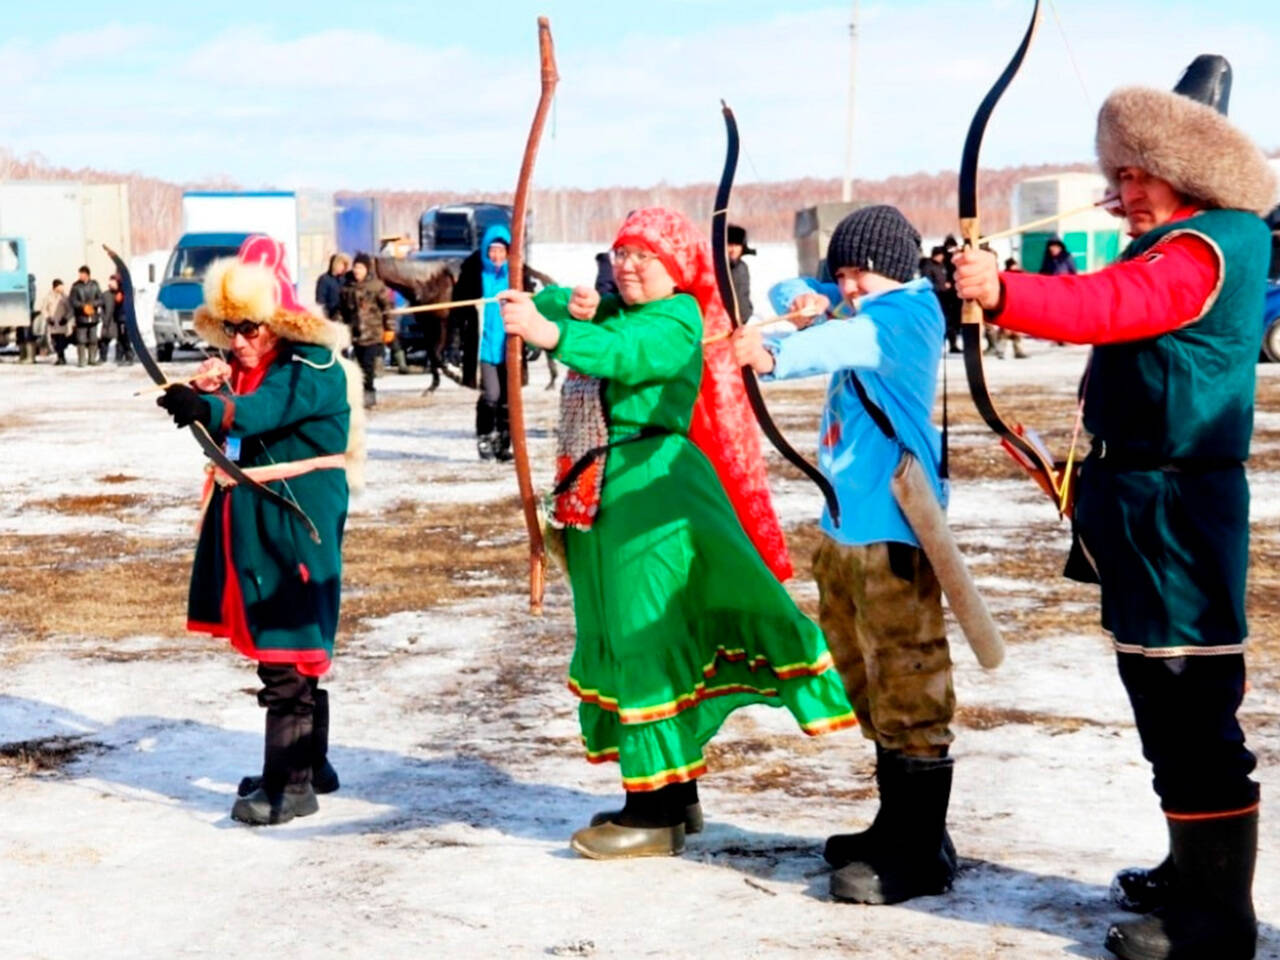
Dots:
(367, 356)
(290, 702)
(492, 414)
(1185, 708)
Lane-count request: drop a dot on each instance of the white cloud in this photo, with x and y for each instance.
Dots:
(361, 108)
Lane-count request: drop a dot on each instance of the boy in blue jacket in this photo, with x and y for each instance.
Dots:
(880, 602)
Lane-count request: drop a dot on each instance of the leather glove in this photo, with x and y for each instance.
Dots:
(184, 405)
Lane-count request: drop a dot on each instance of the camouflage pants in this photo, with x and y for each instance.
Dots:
(888, 640)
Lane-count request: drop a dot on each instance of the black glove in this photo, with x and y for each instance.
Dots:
(184, 405)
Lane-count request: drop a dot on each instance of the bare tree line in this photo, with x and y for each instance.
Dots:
(767, 210)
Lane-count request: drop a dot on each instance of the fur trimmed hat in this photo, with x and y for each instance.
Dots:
(255, 285)
(1186, 142)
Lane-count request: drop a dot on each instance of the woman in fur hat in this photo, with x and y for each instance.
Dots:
(1162, 509)
(288, 409)
(681, 617)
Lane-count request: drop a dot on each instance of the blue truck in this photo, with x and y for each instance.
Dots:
(182, 287)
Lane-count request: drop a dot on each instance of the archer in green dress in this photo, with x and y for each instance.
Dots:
(679, 619)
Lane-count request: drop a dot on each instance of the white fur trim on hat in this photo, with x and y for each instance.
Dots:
(234, 290)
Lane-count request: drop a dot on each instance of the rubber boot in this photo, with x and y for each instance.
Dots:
(914, 856)
(1018, 352)
(650, 824)
(1209, 915)
(397, 354)
(1142, 889)
(324, 779)
(502, 446)
(484, 445)
(286, 790)
(370, 399)
(692, 812)
(847, 847)
(82, 354)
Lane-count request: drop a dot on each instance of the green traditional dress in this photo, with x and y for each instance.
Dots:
(679, 621)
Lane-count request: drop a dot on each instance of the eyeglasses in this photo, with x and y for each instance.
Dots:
(246, 328)
(638, 257)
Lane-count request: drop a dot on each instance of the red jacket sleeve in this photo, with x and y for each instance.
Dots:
(1170, 286)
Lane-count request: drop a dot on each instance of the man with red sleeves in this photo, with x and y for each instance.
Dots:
(1162, 510)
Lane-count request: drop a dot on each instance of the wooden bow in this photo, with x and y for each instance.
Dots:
(515, 344)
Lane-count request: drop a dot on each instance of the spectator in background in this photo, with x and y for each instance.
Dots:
(366, 306)
(58, 320)
(484, 340)
(997, 337)
(950, 302)
(738, 272)
(28, 337)
(605, 284)
(112, 321)
(86, 306)
(1057, 261)
(329, 286)
(934, 269)
(115, 300)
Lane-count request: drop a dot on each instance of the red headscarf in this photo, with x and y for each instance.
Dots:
(723, 425)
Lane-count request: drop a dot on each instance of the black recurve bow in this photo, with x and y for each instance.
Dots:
(198, 430)
(1030, 456)
(724, 282)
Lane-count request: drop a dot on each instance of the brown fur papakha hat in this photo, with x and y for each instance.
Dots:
(1180, 137)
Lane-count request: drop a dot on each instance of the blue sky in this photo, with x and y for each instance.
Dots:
(439, 95)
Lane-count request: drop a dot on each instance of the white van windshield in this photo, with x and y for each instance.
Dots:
(190, 263)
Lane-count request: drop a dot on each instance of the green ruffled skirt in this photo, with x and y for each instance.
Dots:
(680, 622)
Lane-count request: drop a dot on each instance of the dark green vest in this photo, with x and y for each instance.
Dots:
(1189, 393)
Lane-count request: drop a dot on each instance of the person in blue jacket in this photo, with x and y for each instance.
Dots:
(880, 603)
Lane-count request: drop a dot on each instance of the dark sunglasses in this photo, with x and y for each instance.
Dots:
(246, 328)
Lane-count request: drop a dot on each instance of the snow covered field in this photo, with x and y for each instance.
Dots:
(457, 742)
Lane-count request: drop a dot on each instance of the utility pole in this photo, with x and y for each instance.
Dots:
(846, 190)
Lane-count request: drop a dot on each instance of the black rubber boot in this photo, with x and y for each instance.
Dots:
(1209, 915)
(1141, 889)
(324, 779)
(913, 855)
(285, 791)
(502, 446)
(845, 848)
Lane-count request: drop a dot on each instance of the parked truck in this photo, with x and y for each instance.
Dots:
(15, 287)
(216, 223)
(55, 228)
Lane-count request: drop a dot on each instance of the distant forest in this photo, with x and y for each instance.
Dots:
(767, 210)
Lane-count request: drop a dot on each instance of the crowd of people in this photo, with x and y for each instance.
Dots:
(86, 317)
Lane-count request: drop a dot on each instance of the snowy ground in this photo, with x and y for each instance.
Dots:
(456, 740)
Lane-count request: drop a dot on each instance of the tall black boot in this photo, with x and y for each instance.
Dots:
(844, 848)
(1210, 909)
(285, 791)
(324, 779)
(913, 855)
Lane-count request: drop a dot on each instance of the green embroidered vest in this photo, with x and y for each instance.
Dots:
(1189, 393)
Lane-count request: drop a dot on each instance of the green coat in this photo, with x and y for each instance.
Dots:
(679, 621)
(290, 586)
(1162, 511)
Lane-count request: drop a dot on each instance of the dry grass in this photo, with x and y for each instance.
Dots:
(425, 556)
(117, 478)
(46, 756)
(92, 504)
(91, 585)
